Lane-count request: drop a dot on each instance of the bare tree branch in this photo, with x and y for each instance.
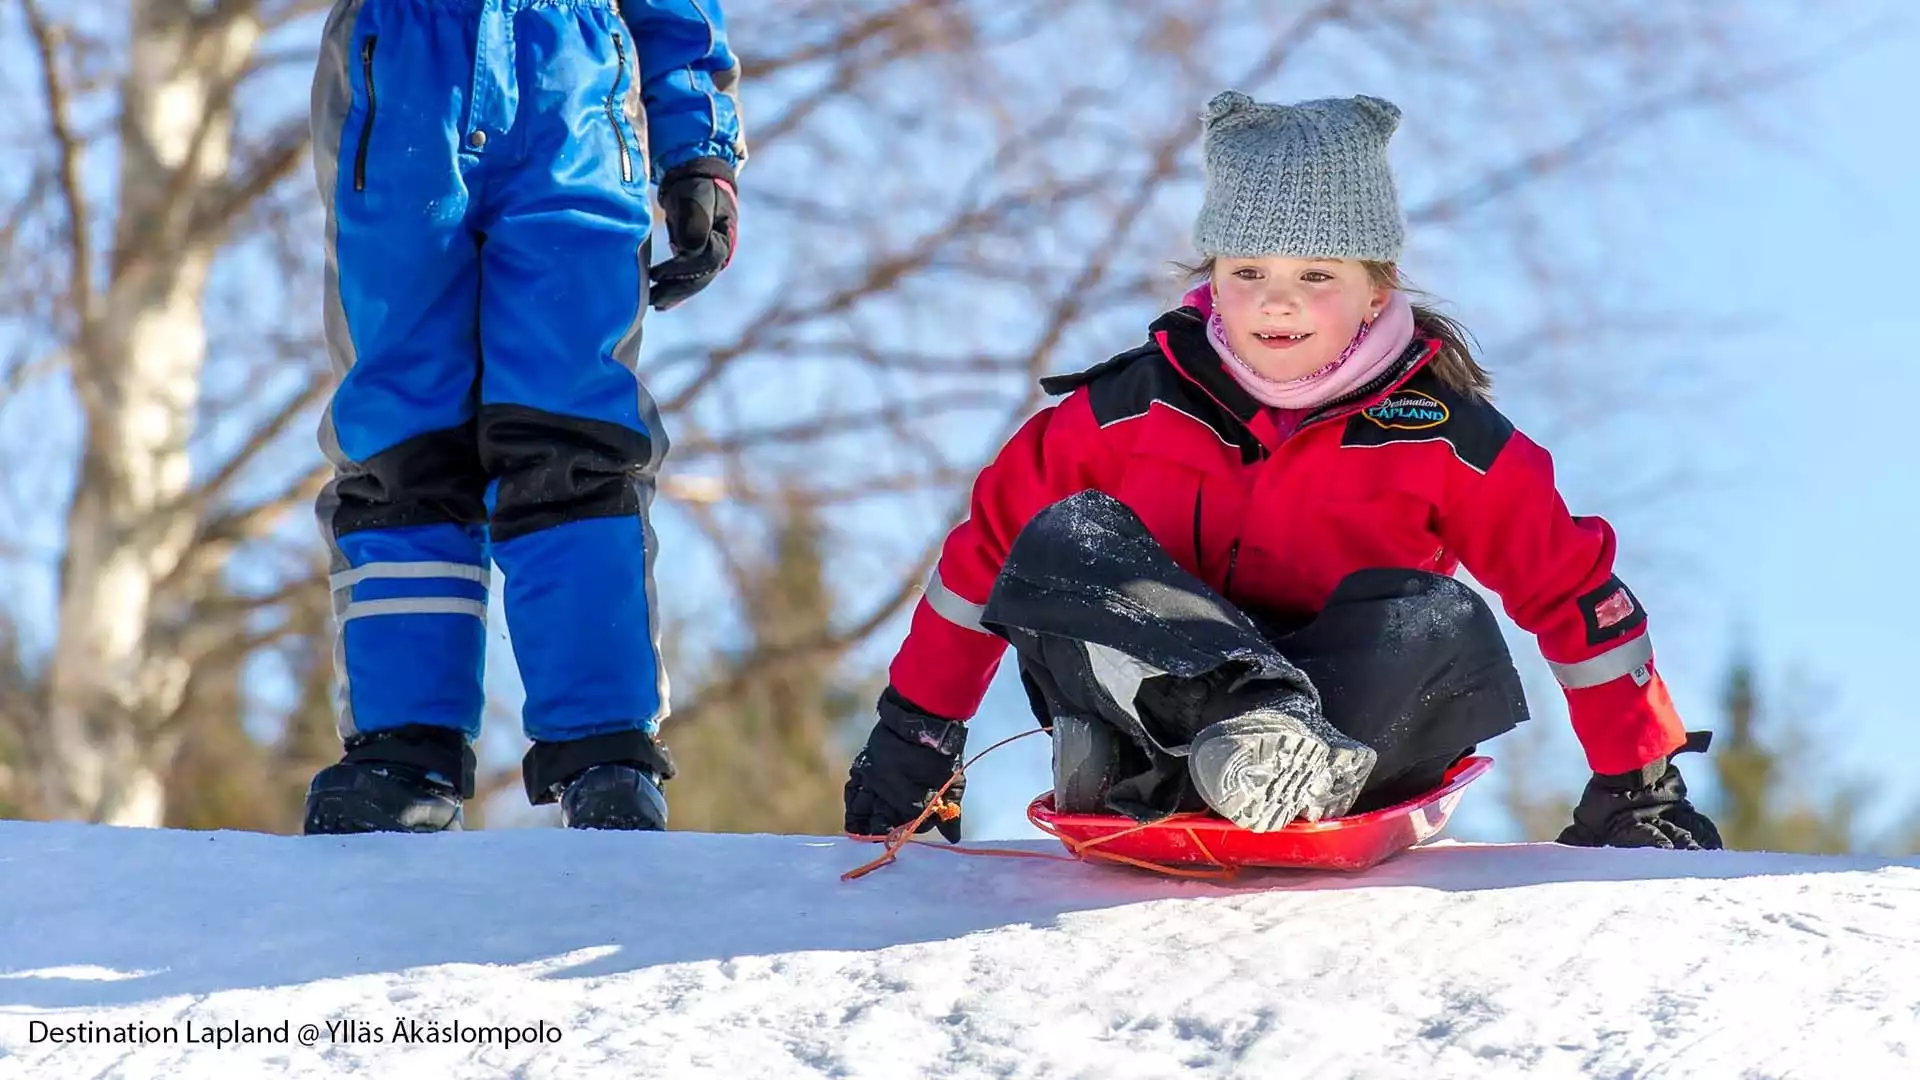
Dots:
(70, 153)
(220, 536)
(850, 39)
(271, 164)
(267, 431)
(832, 424)
(1607, 131)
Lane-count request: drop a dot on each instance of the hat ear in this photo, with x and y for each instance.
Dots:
(1384, 115)
(1224, 104)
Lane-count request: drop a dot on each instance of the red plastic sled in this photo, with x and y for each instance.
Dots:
(1207, 840)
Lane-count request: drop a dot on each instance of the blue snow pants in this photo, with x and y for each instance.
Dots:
(485, 173)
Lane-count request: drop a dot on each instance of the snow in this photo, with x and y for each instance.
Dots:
(685, 955)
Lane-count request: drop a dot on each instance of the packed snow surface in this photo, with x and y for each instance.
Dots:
(686, 955)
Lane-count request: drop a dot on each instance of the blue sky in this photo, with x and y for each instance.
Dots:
(1798, 539)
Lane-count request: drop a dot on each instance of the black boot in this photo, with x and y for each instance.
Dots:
(409, 779)
(607, 781)
(614, 797)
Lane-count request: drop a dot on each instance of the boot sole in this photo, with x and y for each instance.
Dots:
(1265, 779)
(1259, 781)
(347, 816)
(1349, 764)
(620, 822)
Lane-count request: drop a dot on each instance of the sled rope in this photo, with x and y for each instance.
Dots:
(1088, 849)
(902, 835)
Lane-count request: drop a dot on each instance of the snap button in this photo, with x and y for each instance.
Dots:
(477, 140)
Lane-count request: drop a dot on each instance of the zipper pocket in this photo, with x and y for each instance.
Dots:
(366, 128)
(613, 110)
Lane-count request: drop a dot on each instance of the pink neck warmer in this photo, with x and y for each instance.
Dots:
(1372, 350)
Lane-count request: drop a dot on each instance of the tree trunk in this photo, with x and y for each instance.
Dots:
(137, 373)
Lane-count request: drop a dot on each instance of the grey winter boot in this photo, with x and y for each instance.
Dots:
(1086, 762)
(1267, 767)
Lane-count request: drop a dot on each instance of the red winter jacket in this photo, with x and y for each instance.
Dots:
(1405, 473)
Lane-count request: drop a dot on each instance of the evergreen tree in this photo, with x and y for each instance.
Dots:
(772, 757)
(1772, 789)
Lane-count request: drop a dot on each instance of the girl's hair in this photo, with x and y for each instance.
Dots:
(1454, 364)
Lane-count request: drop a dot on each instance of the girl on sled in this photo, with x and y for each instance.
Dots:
(1224, 558)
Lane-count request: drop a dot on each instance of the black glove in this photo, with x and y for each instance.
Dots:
(700, 209)
(1644, 808)
(909, 754)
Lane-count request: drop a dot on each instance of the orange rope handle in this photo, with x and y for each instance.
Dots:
(899, 836)
(902, 835)
(1089, 849)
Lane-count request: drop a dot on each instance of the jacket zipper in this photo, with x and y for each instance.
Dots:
(1343, 406)
(613, 113)
(1199, 559)
(1233, 560)
(366, 128)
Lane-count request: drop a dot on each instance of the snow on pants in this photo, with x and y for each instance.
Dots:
(484, 173)
(1411, 663)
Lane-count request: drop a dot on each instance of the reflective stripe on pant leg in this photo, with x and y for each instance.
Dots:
(412, 631)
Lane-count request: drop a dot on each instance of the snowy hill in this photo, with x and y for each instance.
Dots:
(684, 955)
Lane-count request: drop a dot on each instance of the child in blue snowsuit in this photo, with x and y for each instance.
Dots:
(486, 167)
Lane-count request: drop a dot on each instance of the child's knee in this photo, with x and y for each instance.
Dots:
(1458, 610)
(554, 468)
(1436, 607)
(1090, 507)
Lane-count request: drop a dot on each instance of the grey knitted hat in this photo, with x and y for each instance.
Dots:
(1309, 181)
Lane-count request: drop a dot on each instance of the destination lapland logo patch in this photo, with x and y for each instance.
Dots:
(1425, 412)
(1408, 410)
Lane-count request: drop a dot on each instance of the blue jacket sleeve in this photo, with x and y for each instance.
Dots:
(689, 81)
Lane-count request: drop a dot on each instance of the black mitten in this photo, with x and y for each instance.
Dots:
(909, 754)
(1644, 808)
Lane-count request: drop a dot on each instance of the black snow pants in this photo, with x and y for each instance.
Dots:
(1108, 628)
